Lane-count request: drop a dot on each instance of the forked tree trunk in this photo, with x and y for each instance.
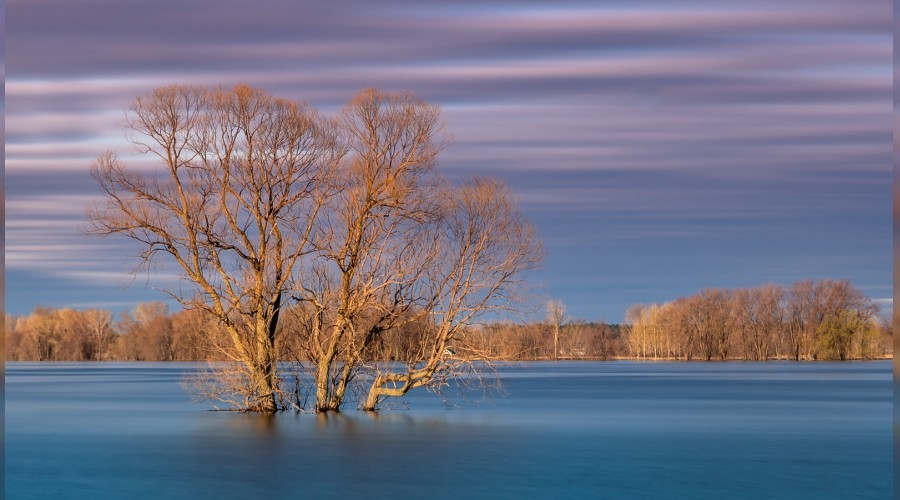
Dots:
(378, 391)
(372, 398)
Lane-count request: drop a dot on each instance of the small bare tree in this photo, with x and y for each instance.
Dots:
(556, 316)
(100, 324)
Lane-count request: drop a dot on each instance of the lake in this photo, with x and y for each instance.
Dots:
(561, 430)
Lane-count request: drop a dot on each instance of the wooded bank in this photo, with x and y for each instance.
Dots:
(805, 321)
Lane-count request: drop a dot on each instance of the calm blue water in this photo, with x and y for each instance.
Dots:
(563, 430)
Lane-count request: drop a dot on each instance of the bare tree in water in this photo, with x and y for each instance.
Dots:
(263, 205)
(242, 178)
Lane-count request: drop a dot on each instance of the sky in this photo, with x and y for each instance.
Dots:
(659, 147)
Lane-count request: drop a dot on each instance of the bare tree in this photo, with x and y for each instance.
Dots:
(192, 330)
(886, 335)
(261, 203)
(711, 317)
(757, 319)
(243, 176)
(100, 324)
(43, 335)
(681, 331)
(809, 303)
(636, 336)
(800, 306)
(556, 316)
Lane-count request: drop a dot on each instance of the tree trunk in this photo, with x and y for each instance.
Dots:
(372, 398)
(323, 371)
(268, 402)
(556, 342)
(337, 395)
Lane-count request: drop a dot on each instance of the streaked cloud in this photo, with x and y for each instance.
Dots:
(744, 135)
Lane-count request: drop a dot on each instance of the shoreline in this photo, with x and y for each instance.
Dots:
(888, 357)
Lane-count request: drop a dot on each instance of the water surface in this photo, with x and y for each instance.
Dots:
(562, 430)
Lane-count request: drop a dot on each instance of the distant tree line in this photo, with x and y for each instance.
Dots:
(808, 320)
(150, 333)
(147, 333)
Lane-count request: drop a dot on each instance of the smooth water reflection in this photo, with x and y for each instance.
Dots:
(563, 430)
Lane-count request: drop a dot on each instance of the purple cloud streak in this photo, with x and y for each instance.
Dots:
(659, 147)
